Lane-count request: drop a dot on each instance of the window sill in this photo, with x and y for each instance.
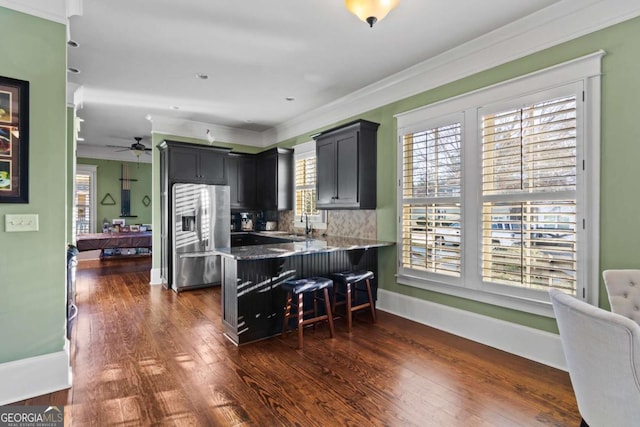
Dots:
(541, 308)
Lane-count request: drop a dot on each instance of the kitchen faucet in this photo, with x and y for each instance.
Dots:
(307, 228)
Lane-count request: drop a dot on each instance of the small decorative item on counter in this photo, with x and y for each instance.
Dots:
(271, 225)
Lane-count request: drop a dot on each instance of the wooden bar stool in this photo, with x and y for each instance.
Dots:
(349, 280)
(300, 287)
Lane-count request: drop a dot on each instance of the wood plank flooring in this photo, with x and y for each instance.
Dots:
(143, 355)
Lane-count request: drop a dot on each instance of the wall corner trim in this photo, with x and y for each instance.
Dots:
(534, 344)
(155, 277)
(26, 378)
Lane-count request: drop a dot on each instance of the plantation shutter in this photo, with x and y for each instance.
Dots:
(305, 182)
(431, 199)
(84, 216)
(529, 195)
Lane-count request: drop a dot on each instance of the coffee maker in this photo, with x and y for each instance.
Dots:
(246, 221)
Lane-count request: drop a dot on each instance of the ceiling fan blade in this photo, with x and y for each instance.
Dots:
(116, 146)
(124, 149)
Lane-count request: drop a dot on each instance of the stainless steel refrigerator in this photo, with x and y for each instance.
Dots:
(201, 222)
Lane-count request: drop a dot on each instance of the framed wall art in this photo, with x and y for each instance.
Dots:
(14, 140)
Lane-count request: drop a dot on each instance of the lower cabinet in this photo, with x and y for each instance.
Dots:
(252, 296)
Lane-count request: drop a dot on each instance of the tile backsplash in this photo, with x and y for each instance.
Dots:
(347, 223)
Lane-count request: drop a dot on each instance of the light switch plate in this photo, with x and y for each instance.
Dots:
(20, 222)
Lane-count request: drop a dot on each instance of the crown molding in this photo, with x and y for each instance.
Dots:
(548, 27)
(198, 130)
(51, 10)
(106, 153)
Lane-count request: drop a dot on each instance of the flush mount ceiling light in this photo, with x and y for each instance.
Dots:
(370, 11)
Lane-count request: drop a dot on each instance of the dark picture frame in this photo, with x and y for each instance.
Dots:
(14, 140)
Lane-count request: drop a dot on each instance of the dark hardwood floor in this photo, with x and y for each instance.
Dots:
(143, 355)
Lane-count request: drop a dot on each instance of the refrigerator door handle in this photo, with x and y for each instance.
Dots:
(203, 215)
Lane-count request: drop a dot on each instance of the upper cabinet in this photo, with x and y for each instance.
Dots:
(274, 179)
(256, 181)
(195, 163)
(242, 180)
(346, 166)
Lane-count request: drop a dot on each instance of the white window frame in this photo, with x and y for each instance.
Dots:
(318, 222)
(583, 74)
(428, 124)
(90, 170)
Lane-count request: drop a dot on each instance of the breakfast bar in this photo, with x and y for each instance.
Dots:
(252, 298)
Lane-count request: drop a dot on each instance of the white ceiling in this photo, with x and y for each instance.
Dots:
(140, 57)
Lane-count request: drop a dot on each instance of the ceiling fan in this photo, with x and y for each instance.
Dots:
(137, 147)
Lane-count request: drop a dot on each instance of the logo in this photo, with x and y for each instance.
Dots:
(31, 416)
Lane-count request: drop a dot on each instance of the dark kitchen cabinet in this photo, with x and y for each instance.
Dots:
(346, 166)
(195, 163)
(242, 180)
(274, 179)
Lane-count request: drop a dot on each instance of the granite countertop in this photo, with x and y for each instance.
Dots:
(300, 245)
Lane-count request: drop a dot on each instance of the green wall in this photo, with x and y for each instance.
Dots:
(108, 181)
(33, 264)
(620, 151)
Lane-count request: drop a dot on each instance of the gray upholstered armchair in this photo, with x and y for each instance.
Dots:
(602, 350)
(623, 288)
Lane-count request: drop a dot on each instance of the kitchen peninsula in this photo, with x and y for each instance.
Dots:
(252, 299)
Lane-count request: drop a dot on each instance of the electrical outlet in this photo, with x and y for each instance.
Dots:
(22, 222)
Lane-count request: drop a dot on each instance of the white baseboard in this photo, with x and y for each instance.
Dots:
(26, 378)
(534, 344)
(155, 278)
